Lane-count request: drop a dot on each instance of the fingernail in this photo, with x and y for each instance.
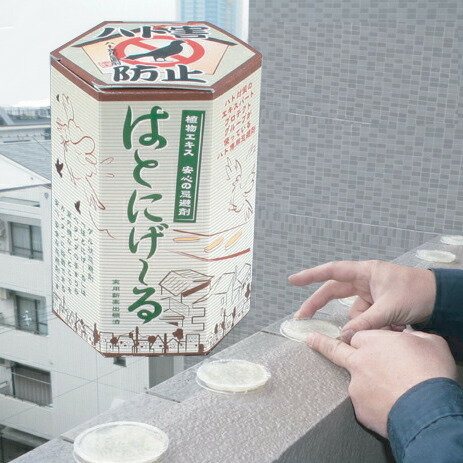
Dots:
(297, 315)
(291, 277)
(346, 335)
(310, 339)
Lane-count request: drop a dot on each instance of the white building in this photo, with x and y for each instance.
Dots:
(50, 380)
(18, 124)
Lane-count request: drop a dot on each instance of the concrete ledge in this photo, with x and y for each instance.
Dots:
(264, 426)
(303, 415)
(338, 438)
(55, 451)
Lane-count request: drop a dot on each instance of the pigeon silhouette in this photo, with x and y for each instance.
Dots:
(59, 167)
(174, 48)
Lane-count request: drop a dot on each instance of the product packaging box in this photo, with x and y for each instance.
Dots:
(154, 149)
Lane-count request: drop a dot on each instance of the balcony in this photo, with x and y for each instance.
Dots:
(304, 414)
(23, 327)
(25, 398)
(22, 264)
(25, 383)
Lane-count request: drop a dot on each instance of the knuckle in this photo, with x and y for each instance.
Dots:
(353, 312)
(352, 390)
(365, 323)
(357, 337)
(315, 343)
(373, 264)
(330, 265)
(336, 346)
(352, 363)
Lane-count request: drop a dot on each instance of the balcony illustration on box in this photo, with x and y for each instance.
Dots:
(190, 291)
(185, 295)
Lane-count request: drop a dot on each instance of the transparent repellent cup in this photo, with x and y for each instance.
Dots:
(121, 442)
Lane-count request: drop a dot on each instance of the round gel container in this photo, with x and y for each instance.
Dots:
(121, 442)
(298, 330)
(232, 376)
(432, 255)
(455, 240)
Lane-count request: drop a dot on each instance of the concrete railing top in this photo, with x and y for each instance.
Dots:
(303, 414)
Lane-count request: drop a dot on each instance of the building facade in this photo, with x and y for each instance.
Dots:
(50, 380)
(230, 15)
(19, 124)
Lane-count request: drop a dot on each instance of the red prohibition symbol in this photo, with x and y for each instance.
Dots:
(147, 46)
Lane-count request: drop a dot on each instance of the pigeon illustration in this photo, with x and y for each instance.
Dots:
(59, 167)
(242, 188)
(248, 291)
(174, 48)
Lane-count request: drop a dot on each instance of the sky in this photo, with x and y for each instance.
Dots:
(30, 29)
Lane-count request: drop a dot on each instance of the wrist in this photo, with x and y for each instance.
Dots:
(426, 311)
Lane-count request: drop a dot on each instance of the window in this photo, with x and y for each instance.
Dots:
(31, 384)
(120, 361)
(31, 315)
(25, 383)
(10, 449)
(26, 240)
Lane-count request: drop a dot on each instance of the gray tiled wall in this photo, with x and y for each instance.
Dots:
(361, 136)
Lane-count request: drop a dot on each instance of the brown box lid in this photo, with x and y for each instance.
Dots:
(127, 60)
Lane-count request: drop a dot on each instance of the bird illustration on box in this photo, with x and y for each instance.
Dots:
(59, 167)
(174, 48)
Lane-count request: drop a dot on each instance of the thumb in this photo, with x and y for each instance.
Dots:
(372, 319)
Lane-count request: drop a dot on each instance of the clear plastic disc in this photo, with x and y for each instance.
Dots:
(432, 255)
(232, 376)
(121, 442)
(298, 330)
(455, 240)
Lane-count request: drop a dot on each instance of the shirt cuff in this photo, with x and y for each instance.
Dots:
(418, 408)
(447, 316)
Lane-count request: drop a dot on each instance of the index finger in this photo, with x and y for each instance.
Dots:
(334, 350)
(343, 270)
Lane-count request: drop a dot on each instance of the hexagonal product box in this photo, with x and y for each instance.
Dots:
(154, 148)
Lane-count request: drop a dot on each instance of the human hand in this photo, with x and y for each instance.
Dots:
(384, 365)
(388, 294)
